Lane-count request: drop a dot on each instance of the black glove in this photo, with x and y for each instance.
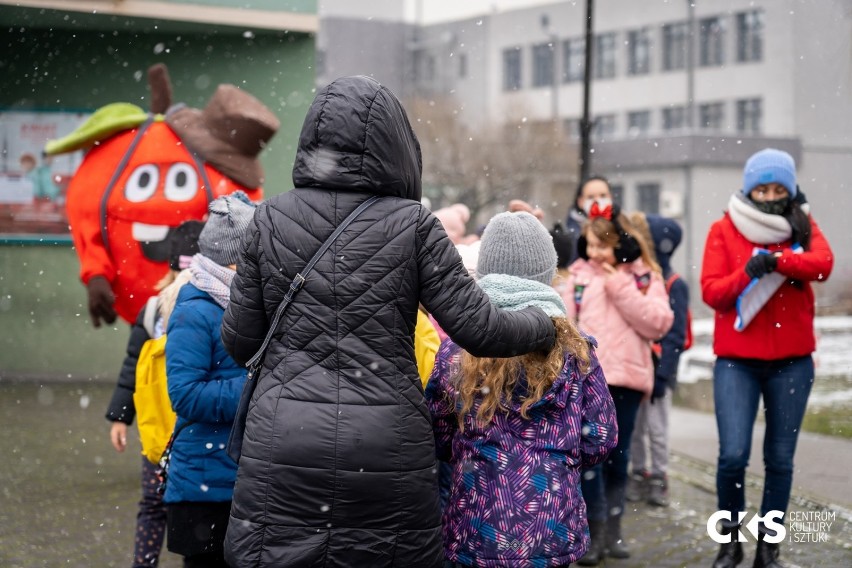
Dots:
(760, 265)
(627, 250)
(581, 248)
(101, 300)
(660, 384)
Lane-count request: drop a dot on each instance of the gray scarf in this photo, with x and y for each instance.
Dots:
(212, 278)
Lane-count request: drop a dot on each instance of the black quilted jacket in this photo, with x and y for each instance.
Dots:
(338, 465)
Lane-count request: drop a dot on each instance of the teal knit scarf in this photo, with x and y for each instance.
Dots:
(513, 293)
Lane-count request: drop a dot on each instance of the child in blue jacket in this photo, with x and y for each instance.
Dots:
(204, 388)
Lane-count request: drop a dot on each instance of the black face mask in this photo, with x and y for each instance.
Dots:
(776, 207)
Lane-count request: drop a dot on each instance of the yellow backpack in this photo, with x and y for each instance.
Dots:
(426, 344)
(154, 415)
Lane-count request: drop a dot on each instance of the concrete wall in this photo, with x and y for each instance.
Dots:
(376, 48)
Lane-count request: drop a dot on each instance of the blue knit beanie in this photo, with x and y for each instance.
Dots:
(770, 166)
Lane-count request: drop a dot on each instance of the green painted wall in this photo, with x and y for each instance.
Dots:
(44, 327)
(65, 69)
(44, 324)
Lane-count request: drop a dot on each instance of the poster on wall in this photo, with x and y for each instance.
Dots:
(32, 187)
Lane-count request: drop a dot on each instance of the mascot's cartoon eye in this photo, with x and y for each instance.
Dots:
(181, 182)
(142, 183)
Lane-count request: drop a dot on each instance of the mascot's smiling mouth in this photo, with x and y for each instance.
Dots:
(153, 240)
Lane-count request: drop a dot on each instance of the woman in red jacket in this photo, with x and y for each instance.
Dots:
(765, 249)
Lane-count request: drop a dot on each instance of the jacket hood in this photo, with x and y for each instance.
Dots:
(356, 137)
(667, 235)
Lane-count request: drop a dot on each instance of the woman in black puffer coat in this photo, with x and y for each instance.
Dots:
(338, 460)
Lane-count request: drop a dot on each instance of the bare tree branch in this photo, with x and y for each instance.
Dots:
(494, 164)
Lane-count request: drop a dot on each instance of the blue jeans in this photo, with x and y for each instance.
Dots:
(737, 387)
(603, 485)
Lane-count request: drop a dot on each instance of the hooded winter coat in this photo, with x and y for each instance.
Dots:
(667, 235)
(204, 387)
(338, 461)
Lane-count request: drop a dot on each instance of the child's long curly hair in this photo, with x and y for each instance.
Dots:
(493, 380)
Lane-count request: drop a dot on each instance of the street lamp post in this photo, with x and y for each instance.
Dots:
(690, 129)
(586, 122)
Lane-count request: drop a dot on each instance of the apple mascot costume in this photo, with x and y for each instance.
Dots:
(144, 174)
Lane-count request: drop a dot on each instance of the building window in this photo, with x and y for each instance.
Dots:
(712, 42)
(604, 57)
(674, 118)
(512, 69)
(571, 128)
(749, 116)
(750, 36)
(711, 116)
(604, 127)
(638, 52)
(429, 73)
(573, 60)
(649, 198)
(638, 123)
(542, 65)
(675, 37)
(617, 192)
(462, 65)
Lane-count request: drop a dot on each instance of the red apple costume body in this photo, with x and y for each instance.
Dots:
(145, 174)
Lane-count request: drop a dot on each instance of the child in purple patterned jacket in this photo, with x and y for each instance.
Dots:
(518, 431)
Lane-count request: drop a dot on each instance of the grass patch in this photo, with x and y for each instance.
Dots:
(832, 418)
(832, 421)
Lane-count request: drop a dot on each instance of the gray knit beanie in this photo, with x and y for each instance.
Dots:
(227, 220)
(517, 244)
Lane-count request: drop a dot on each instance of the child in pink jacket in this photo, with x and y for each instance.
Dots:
(616, 293)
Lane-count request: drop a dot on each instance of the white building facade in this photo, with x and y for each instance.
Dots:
(682, 93)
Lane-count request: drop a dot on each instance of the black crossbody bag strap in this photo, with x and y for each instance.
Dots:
(299, 280)
(254, 365)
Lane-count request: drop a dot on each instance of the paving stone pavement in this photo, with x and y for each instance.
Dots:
(68, 499)
(676, 536)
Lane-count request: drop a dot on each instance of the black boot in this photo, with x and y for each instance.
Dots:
(595, 553)
(767, 552)
(615, 545)
(658, 491)
(730, 553)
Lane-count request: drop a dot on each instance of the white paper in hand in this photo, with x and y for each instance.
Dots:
(757, 293)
